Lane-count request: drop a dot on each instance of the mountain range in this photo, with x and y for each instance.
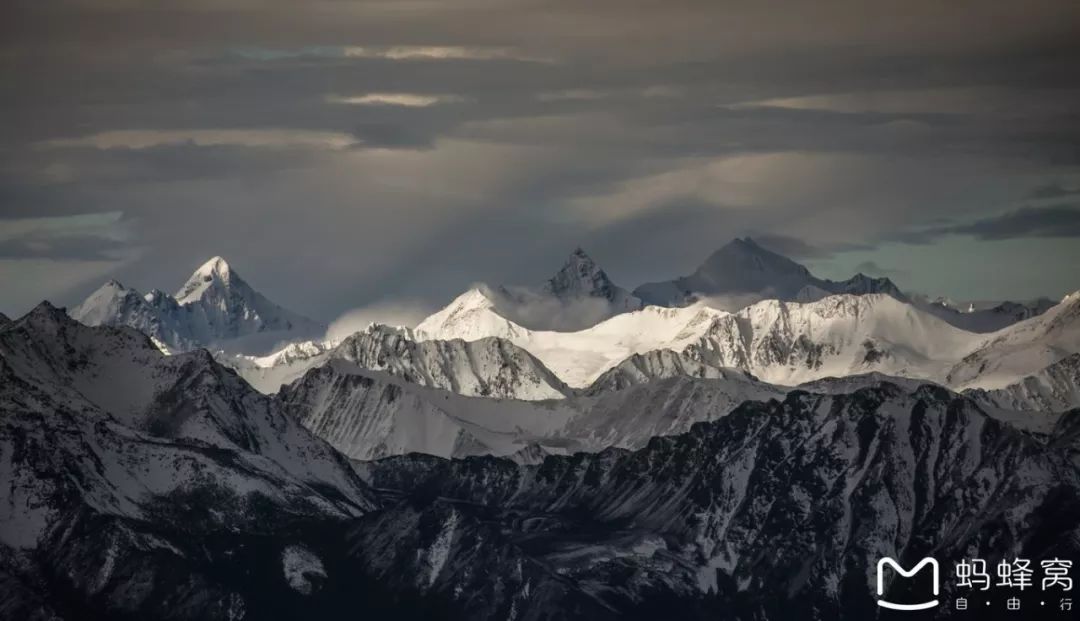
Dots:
(565, 451)
(187, 494)
(217, 309)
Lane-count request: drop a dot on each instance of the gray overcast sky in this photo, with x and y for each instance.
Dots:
(343, 153)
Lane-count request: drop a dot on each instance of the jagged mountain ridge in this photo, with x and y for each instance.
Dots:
(785, 343)
(1053, 389)
(581, 276)
(269, 373)
(490, 367)
(658, 364)
(579, 295)
(861, 340)
(487, 367)
(1021, 349)
(578, 358)
(779, 510)
(781, 342)
(119, 374)
(135, 483)
(984, 320)
(214, 308)
(369, 415)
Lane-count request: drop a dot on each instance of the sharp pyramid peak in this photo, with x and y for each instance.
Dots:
(578, 261)
(579, 254)
(214, 266)
(746, 244)
(747, 248)
(46, 312)
(111, 287)
(214, 270)
(579, 274)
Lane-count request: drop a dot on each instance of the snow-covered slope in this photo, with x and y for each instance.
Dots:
(156, 315)
(742, 269)
(488, 367)
(1053, 389)
(789, 343)
(783, 343)
(580, 295)
(214, 308)
(578, 358)
(658, 364)
(137, 486)
(984, 320)
(367, 414)
(1022, 349)
(470, 316)
(269, 373)
(118, 374)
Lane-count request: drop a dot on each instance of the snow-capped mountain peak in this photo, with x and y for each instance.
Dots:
(215, 272)
(213, 307)
(109, 301)
(470, 316)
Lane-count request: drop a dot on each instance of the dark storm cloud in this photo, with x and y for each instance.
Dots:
(650, 132)
(1026, 222)
(1059, 221)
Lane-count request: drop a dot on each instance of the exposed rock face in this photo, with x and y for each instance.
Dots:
(581, 277)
